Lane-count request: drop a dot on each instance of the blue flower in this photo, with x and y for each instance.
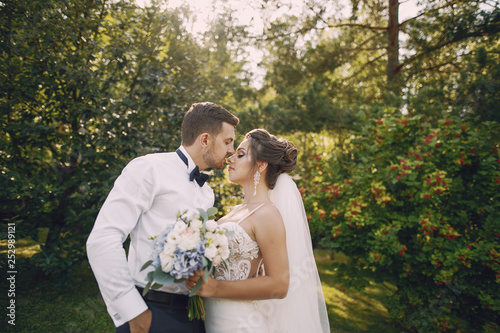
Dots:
(187, 262)
(159, 245)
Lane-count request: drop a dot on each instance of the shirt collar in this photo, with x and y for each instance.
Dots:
(191, 164)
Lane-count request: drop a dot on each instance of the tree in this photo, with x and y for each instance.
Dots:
(416, 204)
(368, 57)
(87, 86)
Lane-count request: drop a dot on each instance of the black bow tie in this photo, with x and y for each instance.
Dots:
(200, 178)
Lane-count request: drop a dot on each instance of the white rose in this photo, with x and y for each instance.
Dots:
(217, 260)
(224, 252)
(191, 215)
(220, 240)
(167, 262)
(169, 248)
(211, 225)
(196, 224)
(211, 252)
(223, 248)
(172, 238)
(179, 227)
(189, 241)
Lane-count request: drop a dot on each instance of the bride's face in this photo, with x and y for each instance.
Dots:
(240, 164)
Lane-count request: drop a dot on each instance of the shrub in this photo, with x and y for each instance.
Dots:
(417, 205)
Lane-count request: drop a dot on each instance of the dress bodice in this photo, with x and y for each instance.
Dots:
(244, 254)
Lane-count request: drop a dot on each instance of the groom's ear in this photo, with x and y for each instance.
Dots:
(204, 140)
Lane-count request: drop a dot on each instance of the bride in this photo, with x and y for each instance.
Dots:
(270, 282)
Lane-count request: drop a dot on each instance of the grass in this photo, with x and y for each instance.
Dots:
(350, 310)
(75, 305)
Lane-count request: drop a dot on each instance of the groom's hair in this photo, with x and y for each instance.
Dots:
(205, 117)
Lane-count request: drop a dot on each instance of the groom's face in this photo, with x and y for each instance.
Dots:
(221, 147)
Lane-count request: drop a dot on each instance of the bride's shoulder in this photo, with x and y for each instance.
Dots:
(268, 212)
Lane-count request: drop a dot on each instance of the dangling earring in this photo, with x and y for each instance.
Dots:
(256, 179)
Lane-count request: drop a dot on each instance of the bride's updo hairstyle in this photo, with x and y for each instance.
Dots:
(280, 154)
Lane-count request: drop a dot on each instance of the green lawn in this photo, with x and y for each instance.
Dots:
(75, 305)
(350, 310)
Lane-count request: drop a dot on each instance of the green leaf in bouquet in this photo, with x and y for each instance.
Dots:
(156, 286)
(149, 277)
(206, 274)
(205, 261)
(211, 212)
(197, 287)
(146, 289)
(146, 265)
(203, 214)
(161, 277)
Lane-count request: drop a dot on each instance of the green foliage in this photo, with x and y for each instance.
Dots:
(86, 87)
(324, 65)
(417, 204)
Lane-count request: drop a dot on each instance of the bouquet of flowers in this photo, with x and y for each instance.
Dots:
(194, 242)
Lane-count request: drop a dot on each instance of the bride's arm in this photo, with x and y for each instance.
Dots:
(269, 232)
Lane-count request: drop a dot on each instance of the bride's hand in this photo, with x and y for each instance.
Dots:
(206, 288)
(191, 281)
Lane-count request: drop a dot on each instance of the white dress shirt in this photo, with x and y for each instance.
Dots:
(145, 198)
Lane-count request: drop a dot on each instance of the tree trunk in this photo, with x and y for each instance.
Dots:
(393, 42)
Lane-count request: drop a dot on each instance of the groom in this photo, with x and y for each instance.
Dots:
(144, 200)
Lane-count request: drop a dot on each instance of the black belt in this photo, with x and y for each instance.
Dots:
(164, 297)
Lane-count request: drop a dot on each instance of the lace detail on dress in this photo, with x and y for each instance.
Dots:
(242, 250)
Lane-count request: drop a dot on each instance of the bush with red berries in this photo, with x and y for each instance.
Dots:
(418, 205)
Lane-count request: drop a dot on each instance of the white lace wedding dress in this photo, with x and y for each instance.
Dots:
(304, 308)
(245, 261)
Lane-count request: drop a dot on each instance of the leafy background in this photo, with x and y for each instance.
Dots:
(396, 123)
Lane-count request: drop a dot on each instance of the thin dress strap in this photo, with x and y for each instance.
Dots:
(253, 211)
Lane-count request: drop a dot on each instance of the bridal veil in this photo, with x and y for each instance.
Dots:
(304, 308)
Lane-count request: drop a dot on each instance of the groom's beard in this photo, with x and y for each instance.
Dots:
(211, 160)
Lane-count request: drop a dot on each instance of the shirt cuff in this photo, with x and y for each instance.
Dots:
(127, 307)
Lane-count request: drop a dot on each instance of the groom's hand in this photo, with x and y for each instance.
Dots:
(141, 323)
